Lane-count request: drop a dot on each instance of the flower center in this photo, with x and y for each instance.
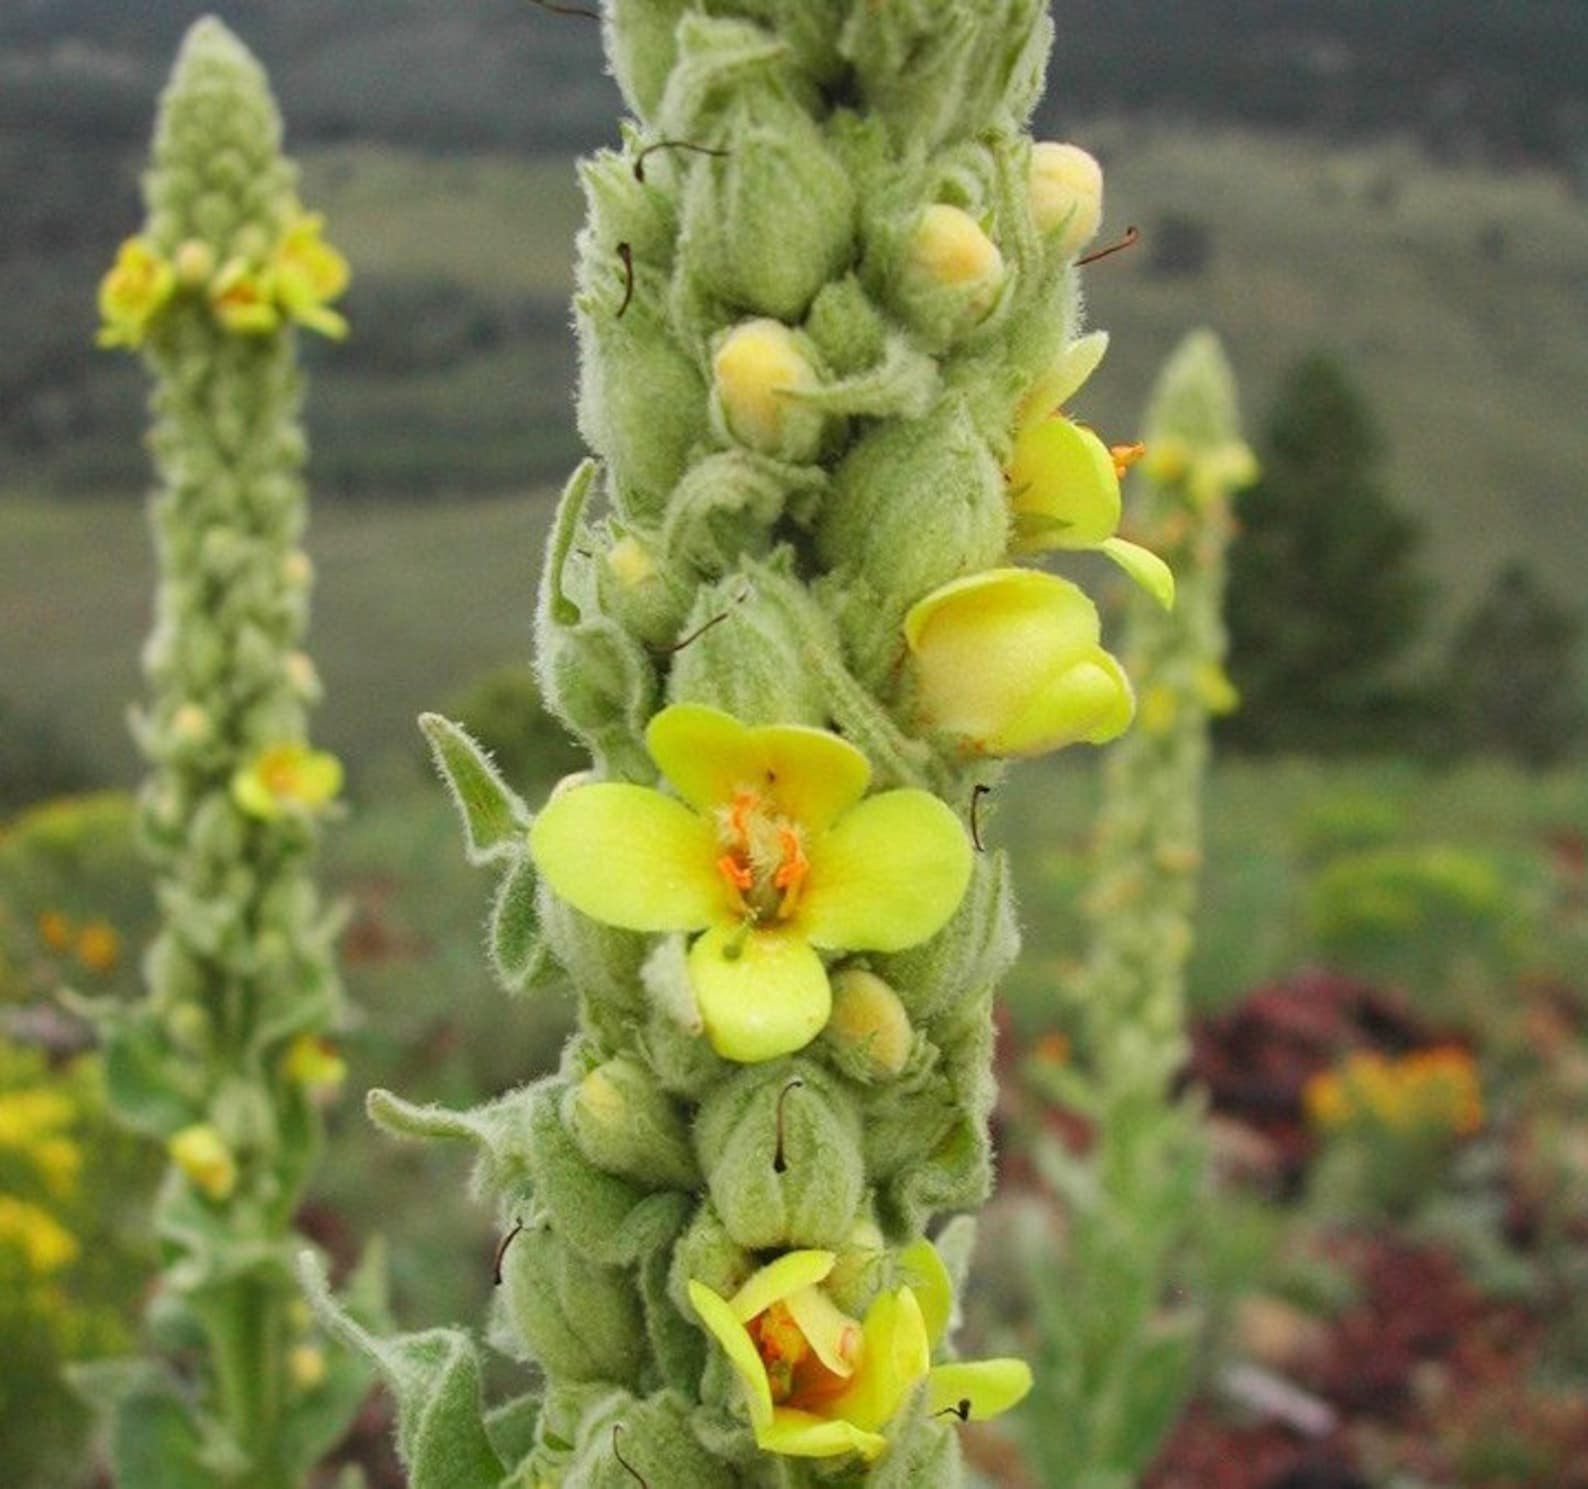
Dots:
(763, 861)
(794, 1370)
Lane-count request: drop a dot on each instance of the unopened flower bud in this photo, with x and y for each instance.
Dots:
(203, 1157)
(302, 676)
(312, 1060)
(624, 1123)
(1066, 194)
(757, 367)
(297, 569)
(949, 251)
(869, 1028)
(191, 724)
(1009, 660)
(195, 263)
(306, 1366)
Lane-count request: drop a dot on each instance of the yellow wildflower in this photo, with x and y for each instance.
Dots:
(44, 1244)
(133, 293)
(287, 779)
(55, 929)
(772, 853)
(243, 301)
(820, 1384)
(307, 273)
(201, 1153)
(1009, 659)
(312, 1060)
(98, 946)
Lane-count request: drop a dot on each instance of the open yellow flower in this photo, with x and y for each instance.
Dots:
(243, 301)
(1009, 659)
(202, 1155)
(307, 274)
(286, 779)
(820, 1384)
(133, 293)
(772, 853)
(1064, 487)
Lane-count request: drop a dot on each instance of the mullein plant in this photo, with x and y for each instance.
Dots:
(827, 309)
(228, 1059)
(1117, 1365)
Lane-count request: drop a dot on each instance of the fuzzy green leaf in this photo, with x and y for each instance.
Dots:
(495, 819)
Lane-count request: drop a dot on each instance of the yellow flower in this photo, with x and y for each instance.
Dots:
(55, 929)
(1066, 192)
(307, 274)
(201, 1154)
(312, 1060)
(287, 778)
(134, 291)
(1009, 659)
(44, 1243)
(1064, 489)
(98, 946)
(242, 300)
(819, 1384)
(771, 852)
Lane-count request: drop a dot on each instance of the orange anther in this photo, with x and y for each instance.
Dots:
(795, 865)
(1126, 456)
(737, 874)
(744, 802)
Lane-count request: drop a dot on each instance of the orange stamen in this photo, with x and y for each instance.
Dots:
(737, 874)
(791, 873)
(1126, 456)
(744, 802)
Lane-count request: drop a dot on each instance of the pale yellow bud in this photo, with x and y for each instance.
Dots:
(297, 569)
(306, 1365)
(1066, 193)
(195, 264)
(630, 562)
(869, 1020)
(302, 676)
(201, 1154)
(191, 723)
(950, 250)
(758, 365)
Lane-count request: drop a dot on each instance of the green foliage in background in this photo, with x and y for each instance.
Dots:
(226, 1059)
(1324, 595)
(502, 712)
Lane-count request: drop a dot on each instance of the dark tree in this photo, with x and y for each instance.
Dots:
(1512, 682)
(1324, 596)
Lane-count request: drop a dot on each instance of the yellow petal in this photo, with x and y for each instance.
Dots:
(923, 1271)
(1145, 567)
(1063, 487)
(1076, 364)
(761, 994)
(630, 857)
(894, 1356)
(740, 1349)
(799, 1434)
(990, 1386)
(887, 876)
(779, 1280)
(812, 775)
(1091, 700)
(827, 1329)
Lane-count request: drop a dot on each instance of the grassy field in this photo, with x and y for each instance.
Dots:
(411, 602)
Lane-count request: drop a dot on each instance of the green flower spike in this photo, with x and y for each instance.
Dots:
(771, 852)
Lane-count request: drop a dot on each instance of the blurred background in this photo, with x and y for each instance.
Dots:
(1381, 205)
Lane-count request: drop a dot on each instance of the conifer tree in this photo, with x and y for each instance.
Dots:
(1324, 594)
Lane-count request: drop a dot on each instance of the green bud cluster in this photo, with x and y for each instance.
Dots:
(1118, 1364)
(816, 287)
(225, 1059)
